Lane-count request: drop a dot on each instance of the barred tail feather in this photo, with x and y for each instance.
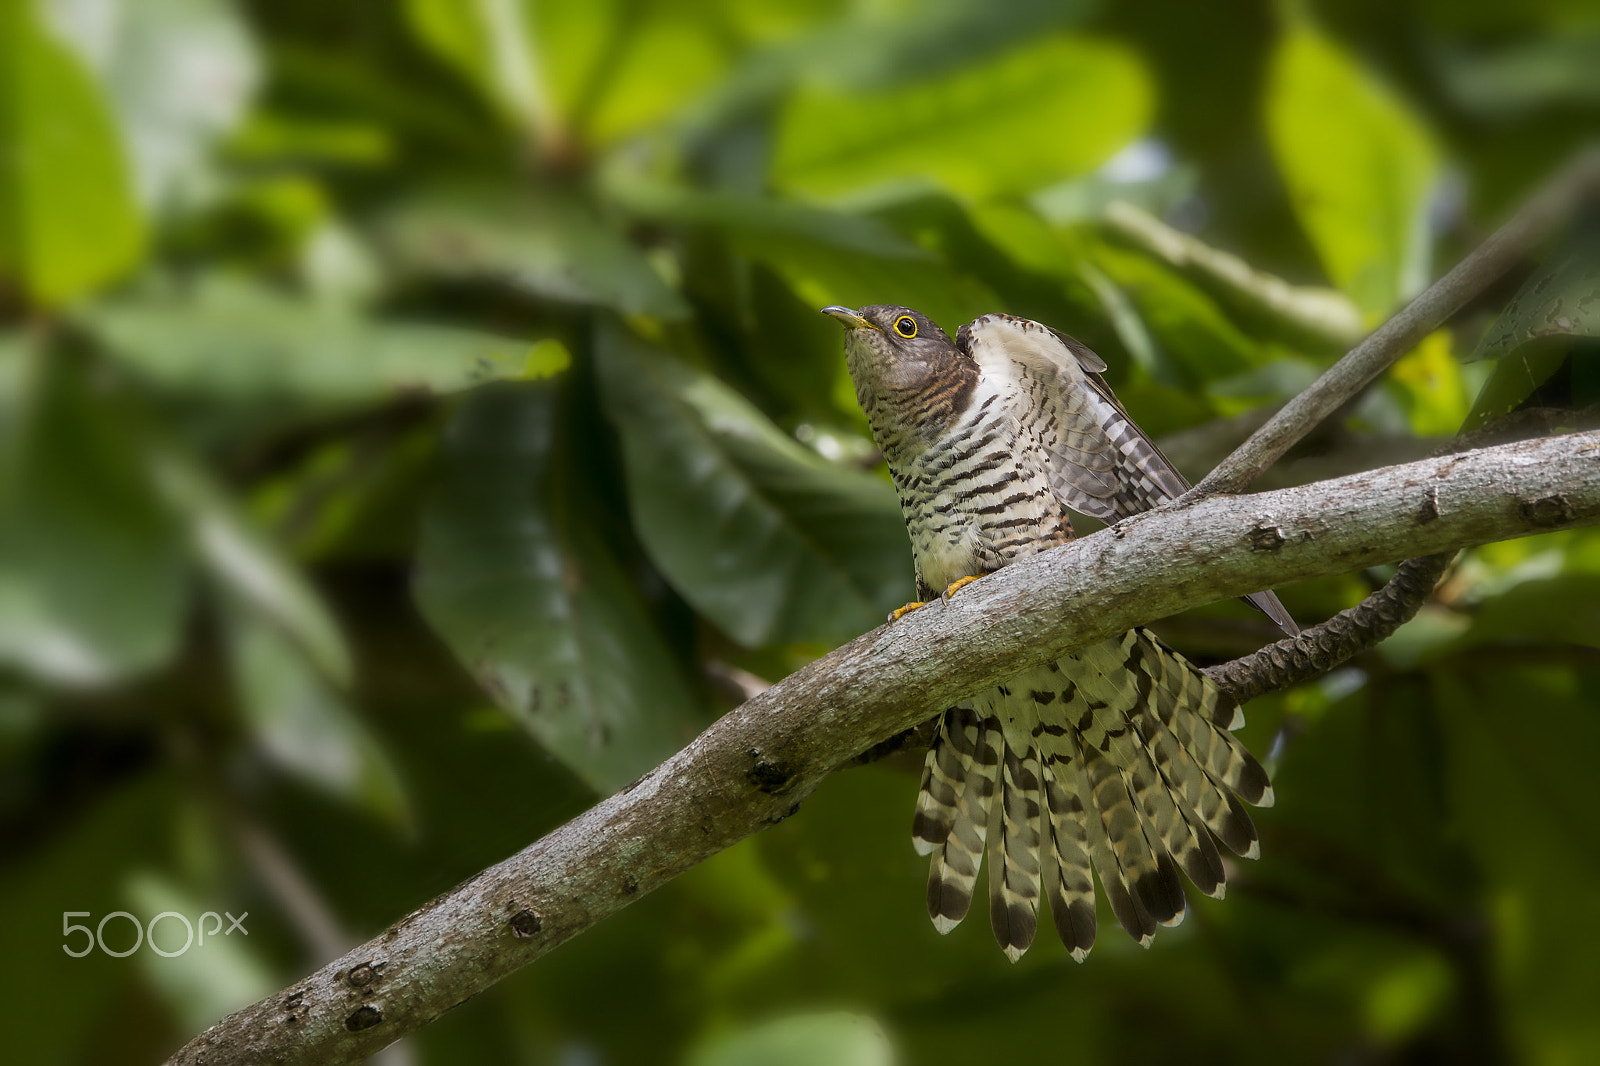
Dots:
(1069, 878)
(943, 775)
(1094, 783)
(953, 868)
(1014, 863)
(1191, 705)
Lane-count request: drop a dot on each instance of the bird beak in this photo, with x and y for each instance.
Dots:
(848, 318)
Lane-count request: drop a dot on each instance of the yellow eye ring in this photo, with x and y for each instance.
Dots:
(906, 326)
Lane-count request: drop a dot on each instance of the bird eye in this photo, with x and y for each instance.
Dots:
(906, 326)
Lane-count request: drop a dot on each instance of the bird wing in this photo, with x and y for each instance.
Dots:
(1101, 463)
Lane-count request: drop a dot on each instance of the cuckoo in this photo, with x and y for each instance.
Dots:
(1117, 760)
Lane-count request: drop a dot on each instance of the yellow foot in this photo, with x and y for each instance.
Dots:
(900, 612)
(958, 584)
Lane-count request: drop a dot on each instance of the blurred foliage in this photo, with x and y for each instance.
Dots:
(415, 422)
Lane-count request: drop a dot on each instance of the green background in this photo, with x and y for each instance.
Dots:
(415, 422)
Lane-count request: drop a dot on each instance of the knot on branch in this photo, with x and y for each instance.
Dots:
(525, 923)
(1429, 511)
(365, 974)
(363, 1017)
(1547, 512)
(771, 776)
(1265, 538)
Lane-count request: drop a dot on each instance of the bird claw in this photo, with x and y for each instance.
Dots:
(899, 612)
(956, 585)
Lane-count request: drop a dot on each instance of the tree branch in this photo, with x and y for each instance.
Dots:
(1405, 330)
(754, 766)
(1324, 647)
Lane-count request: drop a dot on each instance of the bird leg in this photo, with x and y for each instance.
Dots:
(956, 585)
(899, 612)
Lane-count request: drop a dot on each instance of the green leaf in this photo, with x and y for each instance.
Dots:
(1035, 115)
(546, 243)
(235, 340)
(209, 980)
(93, 565)
(301, 723)
(1131, 329)
(1192, 328)
(766, 538)
(1174, 329)
(490, 43)
(662, 63)
(1514, 379)
(753, 222)
(179, 74)
(1505, 81)
(246, 564)
(1359, 167)
(606, 69)
(1560, 299)
(532, 602)
(68, 220)
(837, 1039)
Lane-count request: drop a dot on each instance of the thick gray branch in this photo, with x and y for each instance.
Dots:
(754, 766)
(1405, 330)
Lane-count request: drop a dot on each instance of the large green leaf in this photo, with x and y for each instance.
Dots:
(534, 605)
(68, 220)
(1534, 336)
(767, 539)
(490, 43)
(546, 242)
(1030, 117)
(1561, 299)
(240, 341)
(93, 565)
(665, 58)
(601, 69)
(179, 74)
(1359, 167)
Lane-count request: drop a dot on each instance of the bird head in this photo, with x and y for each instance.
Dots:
(899, 359)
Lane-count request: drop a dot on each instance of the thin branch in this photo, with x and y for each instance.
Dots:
(753, 767)
(1326, 646)
(1487, 264)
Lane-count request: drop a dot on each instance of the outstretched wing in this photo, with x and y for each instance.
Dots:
(1102, 464)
